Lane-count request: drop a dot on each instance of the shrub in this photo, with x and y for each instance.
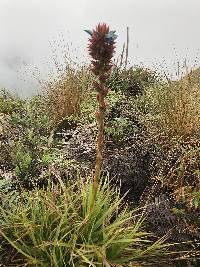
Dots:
(132, 81)
(89, 106)
(28, 143)
(117, 129)
(61, 227)
(9, 103)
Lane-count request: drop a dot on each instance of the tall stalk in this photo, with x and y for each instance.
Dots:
(101, 48)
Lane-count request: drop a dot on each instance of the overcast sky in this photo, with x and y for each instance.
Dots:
(159, 29)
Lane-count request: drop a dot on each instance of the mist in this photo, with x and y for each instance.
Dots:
(161, 32)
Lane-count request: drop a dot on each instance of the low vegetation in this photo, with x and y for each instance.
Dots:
(147, 205)
(58, 226)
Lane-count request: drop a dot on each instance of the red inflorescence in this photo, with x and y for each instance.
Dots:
(101, 50)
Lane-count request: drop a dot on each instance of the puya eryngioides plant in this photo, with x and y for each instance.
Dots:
(101, 48)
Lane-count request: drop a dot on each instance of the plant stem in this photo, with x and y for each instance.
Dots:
(100, 115)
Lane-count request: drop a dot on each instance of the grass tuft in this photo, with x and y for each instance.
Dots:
(57, 227)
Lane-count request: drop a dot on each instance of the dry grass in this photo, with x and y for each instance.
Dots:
(172, 114)
(183, 176)
(180, 110)
(174, 108)
(67, 92)
(68, 81)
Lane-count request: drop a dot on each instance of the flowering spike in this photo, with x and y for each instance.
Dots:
(101, 48)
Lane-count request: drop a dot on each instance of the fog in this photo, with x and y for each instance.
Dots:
(162, 32)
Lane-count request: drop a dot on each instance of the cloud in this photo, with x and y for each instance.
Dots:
(14, 63)
(156, 27)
